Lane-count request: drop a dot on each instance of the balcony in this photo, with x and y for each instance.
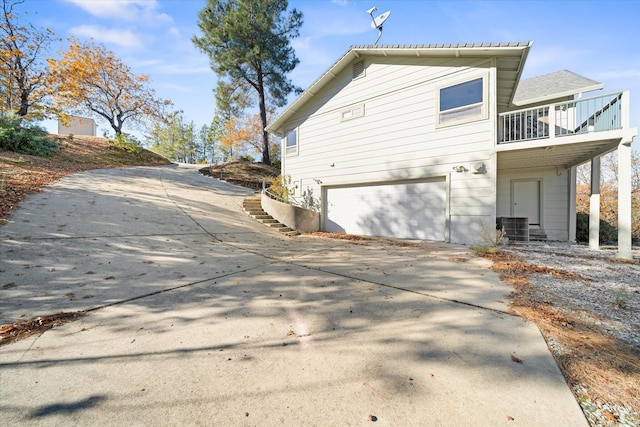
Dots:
(564, 119)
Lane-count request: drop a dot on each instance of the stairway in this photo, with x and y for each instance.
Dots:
(253, 207)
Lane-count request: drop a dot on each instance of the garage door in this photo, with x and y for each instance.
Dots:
(414, 210)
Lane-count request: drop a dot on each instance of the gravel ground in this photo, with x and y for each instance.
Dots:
(607, 296)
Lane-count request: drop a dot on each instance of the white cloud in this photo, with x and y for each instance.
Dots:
(139, 11)
(118, 37)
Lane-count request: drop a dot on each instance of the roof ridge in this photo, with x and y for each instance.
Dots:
(441, 45)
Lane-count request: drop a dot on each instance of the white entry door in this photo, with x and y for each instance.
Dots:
(413, 210)
(526, 200)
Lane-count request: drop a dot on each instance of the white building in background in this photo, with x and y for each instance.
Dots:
(77, 126)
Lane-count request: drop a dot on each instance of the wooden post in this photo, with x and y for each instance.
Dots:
(594, 205)
(624, 201)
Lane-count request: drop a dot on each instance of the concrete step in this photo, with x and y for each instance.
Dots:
(267, 221)
(253, 206)
(275, 225)
(536, 234)
(262, 217)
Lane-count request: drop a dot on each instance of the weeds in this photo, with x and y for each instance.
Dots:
(491, 241)
(620, 297)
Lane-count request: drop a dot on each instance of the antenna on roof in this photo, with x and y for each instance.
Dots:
(378, 21)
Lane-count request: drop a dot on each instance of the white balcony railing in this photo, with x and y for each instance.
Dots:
(580, 116)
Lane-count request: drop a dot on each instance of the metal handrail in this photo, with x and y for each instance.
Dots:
(290, 200)
(593, 114)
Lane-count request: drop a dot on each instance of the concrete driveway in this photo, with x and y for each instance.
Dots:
(201, 316)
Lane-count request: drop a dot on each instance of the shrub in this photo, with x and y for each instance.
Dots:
(126, 142)
(22, 137)
(608, 233)
(279, 186)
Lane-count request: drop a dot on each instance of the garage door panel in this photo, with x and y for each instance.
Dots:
(413, 210)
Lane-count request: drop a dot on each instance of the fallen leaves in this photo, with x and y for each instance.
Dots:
(605, 366)
(25, 328)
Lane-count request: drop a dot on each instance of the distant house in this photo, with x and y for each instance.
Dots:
(77, 126)
(437, 141)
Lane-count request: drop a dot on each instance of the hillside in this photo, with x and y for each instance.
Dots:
(21, 174)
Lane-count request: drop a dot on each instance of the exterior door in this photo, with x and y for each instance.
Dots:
(526, 200)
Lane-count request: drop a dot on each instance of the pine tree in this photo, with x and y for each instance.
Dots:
(248, 43)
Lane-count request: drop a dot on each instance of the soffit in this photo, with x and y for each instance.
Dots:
(560, 156)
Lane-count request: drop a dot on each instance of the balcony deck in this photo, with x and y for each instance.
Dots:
(580, 116)
(563, 134)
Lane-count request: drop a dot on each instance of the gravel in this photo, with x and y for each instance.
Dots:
(607, 295)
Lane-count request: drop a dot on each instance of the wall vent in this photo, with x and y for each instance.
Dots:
(358, 70)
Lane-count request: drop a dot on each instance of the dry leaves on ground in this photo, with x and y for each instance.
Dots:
(593, 361)
(25, 328)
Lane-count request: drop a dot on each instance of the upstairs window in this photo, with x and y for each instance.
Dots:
(291, 142)
(463, 102)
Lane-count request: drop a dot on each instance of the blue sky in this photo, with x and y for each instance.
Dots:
(597, 39)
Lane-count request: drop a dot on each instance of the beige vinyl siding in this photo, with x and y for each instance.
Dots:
(555, 200)
(396, 139)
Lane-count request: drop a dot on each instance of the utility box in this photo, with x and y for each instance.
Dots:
(515, 228)
(77, 126)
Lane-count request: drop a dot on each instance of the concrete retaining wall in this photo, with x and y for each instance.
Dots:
(299, 219)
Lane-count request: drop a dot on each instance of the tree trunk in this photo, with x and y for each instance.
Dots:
(266, 159)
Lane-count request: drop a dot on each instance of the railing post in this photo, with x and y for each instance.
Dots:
(625, 110)
(552, 120)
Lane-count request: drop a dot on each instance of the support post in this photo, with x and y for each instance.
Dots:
(572, 204)
(624, 201)
(594, 205)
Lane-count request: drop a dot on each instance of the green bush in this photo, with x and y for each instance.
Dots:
(22, 137)
(608, 233)
(126, 142)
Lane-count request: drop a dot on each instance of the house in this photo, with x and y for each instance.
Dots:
(75, 125)
(438, 141)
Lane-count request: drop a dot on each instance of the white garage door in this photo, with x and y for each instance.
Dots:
(414, 210)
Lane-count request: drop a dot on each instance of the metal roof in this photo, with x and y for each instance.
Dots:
(553, 86)
(511, 57)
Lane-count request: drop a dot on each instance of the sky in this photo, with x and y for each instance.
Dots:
(597, 39)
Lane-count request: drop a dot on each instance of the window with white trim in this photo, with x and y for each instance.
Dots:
(462, 102)
(291, 142)
(352, 113)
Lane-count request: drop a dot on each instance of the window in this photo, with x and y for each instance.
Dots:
(463, 102)
(291, 142)
(352, 113)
